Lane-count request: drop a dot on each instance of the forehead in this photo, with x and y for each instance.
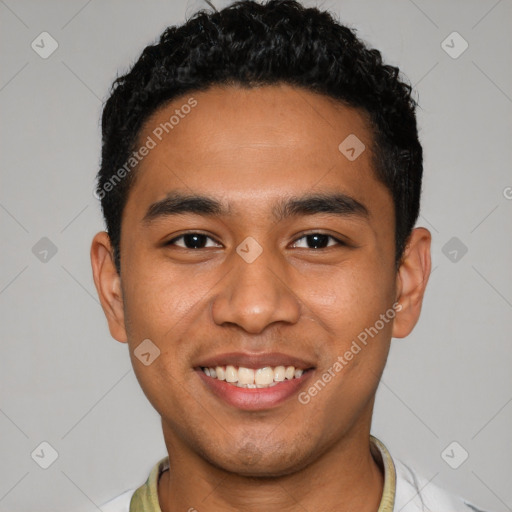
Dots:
(256, 144)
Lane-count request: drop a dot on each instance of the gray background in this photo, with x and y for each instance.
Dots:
(66, 382)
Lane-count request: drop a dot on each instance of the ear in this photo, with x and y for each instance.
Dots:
(412, 278)
(108, 284)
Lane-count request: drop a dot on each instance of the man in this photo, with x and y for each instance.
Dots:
(260, 181)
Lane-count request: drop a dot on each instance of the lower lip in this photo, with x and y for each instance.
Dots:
(255, 399)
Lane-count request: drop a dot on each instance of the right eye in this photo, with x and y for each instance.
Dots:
(192, 241)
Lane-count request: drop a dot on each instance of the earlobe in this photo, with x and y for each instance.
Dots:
(108, 285)
(412, 278)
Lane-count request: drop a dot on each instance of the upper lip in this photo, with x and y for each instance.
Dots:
(255, 360)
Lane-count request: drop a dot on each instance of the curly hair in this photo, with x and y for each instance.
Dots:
(250, 44)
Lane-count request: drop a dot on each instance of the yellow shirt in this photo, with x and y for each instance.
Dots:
(145, 498)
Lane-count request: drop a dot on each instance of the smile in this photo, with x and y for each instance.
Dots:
(250, 378)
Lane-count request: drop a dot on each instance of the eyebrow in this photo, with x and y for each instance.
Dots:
(176, 203)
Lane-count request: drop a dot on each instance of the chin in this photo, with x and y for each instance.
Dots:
(252, 462)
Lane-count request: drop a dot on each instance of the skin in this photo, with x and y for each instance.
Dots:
(249, 148)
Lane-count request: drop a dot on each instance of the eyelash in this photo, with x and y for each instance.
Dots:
(337, 240)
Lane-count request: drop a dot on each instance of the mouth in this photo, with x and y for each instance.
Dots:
(252, 382)
(249, 378)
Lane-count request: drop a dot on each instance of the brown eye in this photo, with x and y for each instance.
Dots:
(192, 241)
(318, 241)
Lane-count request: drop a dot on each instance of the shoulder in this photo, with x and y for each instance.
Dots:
(120, 503)
(416, 493)
(143, 497)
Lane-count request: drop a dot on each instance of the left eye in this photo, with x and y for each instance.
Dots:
(318, 240)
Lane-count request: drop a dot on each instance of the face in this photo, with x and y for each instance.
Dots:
(284, 261)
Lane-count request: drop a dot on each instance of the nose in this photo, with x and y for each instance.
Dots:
(256, 294)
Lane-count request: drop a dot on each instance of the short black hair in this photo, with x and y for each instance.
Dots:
(251, 44)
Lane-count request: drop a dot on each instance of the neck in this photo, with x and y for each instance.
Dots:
(345, 477)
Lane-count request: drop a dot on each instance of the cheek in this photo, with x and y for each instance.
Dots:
(350, 297)
(162, 307)
(159, 299)
(168, 306)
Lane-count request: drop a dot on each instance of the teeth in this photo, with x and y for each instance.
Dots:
(231, 373)
(252, 379)
(263, 376)
(221, 374)
(279, 373)
(246, 376)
